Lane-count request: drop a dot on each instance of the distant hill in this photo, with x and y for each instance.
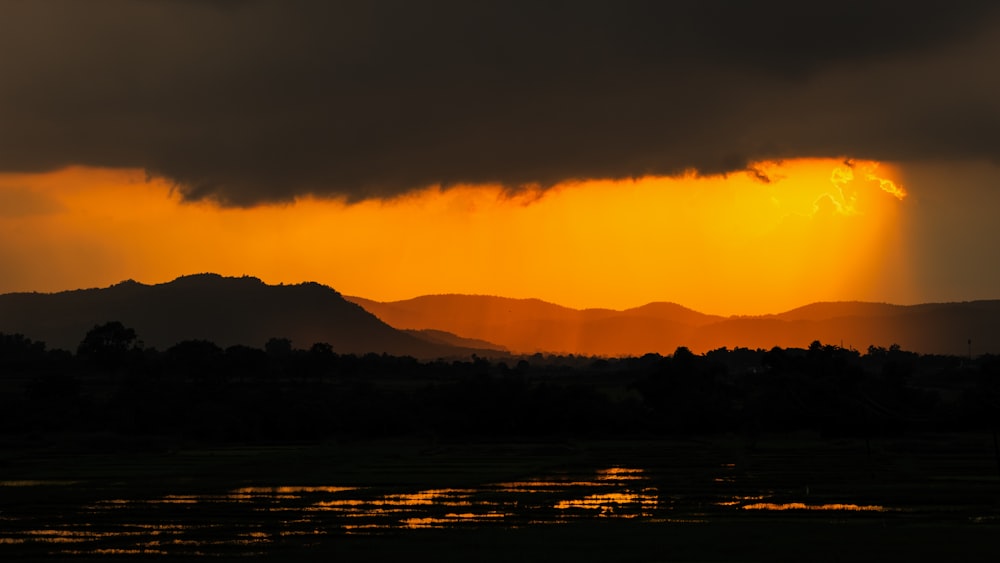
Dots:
(530, 325)
(223, 310)
(441, 337)
(246, 311)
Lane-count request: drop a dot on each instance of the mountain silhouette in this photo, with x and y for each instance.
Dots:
(229, 311)
(531, 325)
(443, 337)
(223, 310)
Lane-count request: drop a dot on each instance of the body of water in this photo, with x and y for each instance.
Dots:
(67, 517)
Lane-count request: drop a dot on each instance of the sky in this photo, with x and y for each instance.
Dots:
(734, 157)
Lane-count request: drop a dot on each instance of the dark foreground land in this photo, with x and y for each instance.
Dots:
(825, 454)
(932, 497)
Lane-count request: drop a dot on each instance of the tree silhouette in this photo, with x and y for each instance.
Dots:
(108, 345)
(320, 361)
(278, 347)
(199, 360)
(18, 352)
(244, 363)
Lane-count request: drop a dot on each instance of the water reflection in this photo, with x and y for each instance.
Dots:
(248, 519)
(288, 490)
(621, 474)
(622, 505)
(451, 520)
(824, 507)
(509, 503)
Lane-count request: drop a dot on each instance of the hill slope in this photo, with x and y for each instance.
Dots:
(225, 311)
(530, 325)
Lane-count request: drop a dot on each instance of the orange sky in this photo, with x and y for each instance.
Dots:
(818, 230)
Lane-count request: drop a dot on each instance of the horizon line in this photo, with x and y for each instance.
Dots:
(505, 297)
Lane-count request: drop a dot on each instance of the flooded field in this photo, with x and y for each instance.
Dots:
(381, 499)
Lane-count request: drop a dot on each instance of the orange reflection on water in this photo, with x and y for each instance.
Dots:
(180, 499)
(444, 497)
(803, 506)
(450, 520)
(259, 518)
(738, 500)
(339, 504)
(393, 505)
(108, 551)
(290, 490)
(604, 478)
(440, 497)
(253, 537)
(621, 474)
(612, 504)
(397, 509)
(66, 536)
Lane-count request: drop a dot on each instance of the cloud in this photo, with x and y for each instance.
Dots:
(253, 101)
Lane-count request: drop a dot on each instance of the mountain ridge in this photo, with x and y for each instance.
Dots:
(224, 310)
(245, 310)
(531, 325)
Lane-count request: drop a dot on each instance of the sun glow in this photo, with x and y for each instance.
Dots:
(777, 236)
(843, 177)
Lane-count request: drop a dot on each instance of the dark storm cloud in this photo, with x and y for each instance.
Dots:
(254, 101)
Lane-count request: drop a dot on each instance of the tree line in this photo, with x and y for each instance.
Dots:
(197, 390)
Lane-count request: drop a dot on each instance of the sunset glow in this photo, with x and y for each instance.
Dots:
(783, 235)
(328, 279)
